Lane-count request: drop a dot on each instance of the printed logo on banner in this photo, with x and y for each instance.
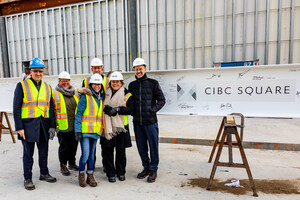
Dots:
(186, 92)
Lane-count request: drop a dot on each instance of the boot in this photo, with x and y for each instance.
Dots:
(152, 176)
(73, 167)
(64, 170)
(81, 180)
(90, 180)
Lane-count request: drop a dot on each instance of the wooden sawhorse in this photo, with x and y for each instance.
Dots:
(4, 127)
(217, 141)
(229, 130)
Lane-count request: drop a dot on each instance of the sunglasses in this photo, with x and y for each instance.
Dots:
(37, 71)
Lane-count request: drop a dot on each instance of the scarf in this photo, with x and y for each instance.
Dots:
(66, 92)
(115, 124)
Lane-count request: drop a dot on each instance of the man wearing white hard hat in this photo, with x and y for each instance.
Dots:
(148, 98)
(66, 99)
(88, 128)
(33, 111)
(96, 68)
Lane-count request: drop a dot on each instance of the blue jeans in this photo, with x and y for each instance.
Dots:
(144, 135)
(88, 146)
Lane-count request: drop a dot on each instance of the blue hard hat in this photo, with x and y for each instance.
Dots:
(36, 63)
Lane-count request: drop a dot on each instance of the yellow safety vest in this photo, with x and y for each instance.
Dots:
(61, 109)
(105, 82)
(92, 116)
(35, 103)
(126, 116)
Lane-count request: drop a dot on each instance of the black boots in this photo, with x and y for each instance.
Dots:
(152, 177)
(143, 174)
(28, 184)
(47, 178)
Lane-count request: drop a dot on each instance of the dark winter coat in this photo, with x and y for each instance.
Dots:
(122, 140)
(32, 126)
(148, 98)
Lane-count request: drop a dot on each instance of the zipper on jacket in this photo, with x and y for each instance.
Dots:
(141, 103)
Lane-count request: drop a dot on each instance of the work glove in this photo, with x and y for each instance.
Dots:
(107, 109)
(114, 111)
(78, 136)
(51, 133)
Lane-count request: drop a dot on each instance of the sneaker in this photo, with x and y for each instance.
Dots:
(73, 167)
(48, 178)
(28, 184)
(121, 178)
(143, 174)
(64, 170)
(152, 177)
(112, 179)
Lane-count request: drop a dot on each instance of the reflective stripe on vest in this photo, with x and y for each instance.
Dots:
(35, 103)
(61, 109)
(92, 116)
(105, 82)
(126, 116)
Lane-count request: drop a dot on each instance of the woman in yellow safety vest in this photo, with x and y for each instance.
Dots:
(66, 100)
(118, 105)
(88, 127)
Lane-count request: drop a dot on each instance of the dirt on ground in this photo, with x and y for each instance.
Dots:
(265, 186)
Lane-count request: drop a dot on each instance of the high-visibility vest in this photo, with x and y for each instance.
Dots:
(92, 116)
(105, 82)
(126, 116)
(61, 109)
(35, 103)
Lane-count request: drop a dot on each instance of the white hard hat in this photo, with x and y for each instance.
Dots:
(139, 61)
(96, 78)
(115, 76)
(96, 62)
(64, 75)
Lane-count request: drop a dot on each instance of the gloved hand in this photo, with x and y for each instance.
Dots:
(114, 111)
(51, 133)
(107, 109)
(78, 136)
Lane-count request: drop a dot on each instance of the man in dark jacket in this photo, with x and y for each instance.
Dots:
(148, 98)
(33, 111)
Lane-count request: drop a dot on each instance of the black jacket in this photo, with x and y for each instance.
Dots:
(148, 98)
(32, 126)
(122, 140)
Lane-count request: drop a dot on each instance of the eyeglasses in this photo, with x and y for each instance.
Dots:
(37, 71)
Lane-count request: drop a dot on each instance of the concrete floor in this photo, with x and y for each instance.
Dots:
(178, 164)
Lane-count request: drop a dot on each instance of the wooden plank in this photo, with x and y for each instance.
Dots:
(31, 5)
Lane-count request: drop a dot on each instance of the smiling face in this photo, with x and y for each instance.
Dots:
(64, 83)
(97, 69)
(140, 70)
(116, 84)
(96, 87)
(37, 74)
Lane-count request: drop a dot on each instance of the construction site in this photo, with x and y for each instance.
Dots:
(229, 72)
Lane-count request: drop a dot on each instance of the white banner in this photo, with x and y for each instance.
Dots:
(264, 91)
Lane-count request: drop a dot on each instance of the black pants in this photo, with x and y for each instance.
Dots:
(28, 150)
(67, 147)
(117, 168)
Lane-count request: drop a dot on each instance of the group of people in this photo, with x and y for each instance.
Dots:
(98, 110)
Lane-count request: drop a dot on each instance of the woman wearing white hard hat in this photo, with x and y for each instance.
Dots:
(117, 105)
(66, 100)
(88, 127)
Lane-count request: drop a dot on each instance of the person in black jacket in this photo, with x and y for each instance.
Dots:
(148, 98)
(33, 111)
(118, 105)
